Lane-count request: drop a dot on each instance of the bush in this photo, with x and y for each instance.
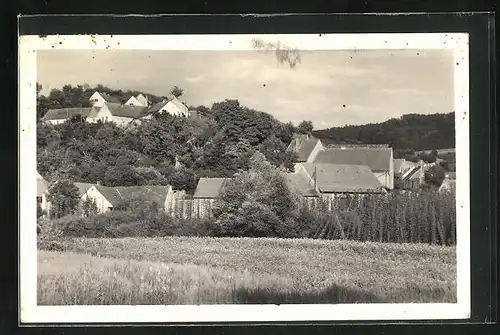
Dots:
(48, 235)
(125, 223)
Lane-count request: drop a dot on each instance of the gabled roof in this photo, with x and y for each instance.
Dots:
(332, 178)
(156, 107)
(133, 112)
(109, 98)
(133, 100)
(179, 105)
(65, 113)
(142, 99)
(83, 187)
(209, 188)
(378, 159)
(303, 146)
(302, 184)
(115, 195)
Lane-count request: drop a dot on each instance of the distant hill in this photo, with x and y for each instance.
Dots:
(412, 131)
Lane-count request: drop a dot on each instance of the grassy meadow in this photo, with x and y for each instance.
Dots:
(205, 270)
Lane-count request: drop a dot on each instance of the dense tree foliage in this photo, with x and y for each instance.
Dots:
(217, 145)
(414, 131)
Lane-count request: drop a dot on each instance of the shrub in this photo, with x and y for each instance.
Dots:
(48, 235)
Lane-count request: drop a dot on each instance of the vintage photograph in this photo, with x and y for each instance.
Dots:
(267, 170)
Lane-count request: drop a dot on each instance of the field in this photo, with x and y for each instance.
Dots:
(191, 270)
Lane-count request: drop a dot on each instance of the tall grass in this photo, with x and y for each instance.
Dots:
(420, 217)
(411, 217)
(190, 270)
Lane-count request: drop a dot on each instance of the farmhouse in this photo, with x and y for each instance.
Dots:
(449, 183)
(121, 115)
(61, 115)
(133, 102)
(207, 191)
(99, 98)
(306, 147)
(378, 159)
(139, 100)
(173, 106)
(144, 101)
(106, 198)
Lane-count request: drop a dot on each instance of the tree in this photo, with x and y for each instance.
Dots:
(176, 91)
(63, 198)
(88, 207)
(305, 127)
(434, 175)
(257, 202)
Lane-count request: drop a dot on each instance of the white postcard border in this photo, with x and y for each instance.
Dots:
(31, 313)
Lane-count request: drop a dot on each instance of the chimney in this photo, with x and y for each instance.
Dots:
(98, 183)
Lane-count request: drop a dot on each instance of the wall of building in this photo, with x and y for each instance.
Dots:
(103, 205)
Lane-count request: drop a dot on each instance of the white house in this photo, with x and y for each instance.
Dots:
(99, 98)
(449, 183)
(121, 115)
(144, 101)
(133, 102)
(61, 115)
(173, 106)
(106, 198)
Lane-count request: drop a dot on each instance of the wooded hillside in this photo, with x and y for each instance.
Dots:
(411, 131)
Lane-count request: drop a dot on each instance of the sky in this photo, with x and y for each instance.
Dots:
(329, 87)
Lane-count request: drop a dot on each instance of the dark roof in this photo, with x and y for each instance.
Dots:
(83, 187)
(110, 98)
(209, 187)
(302, 184)
(115, 195)
(65, 113)
(127, 110)
(378, 159)
(332, 178)
(156, 107)
(303, 146)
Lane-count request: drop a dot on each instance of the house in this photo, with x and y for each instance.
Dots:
(106, 198)
(306, 147)
(144, 101)
(45, 203)
(133, 102)
(207, 191)
(41, 188)
(99, 98)
(121, 115)
(414, 177)
(378, 159)
(61, 115)
(172, 105)
(336, 182)
(449, 183)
